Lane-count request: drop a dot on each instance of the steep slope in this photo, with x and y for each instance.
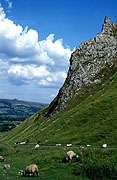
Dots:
(84, 112)
(87, 61)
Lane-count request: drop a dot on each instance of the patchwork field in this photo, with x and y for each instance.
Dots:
(13, 112)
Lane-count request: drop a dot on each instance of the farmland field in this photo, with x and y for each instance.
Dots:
(13, 112)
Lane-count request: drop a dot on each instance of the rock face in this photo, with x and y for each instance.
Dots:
(88, 60)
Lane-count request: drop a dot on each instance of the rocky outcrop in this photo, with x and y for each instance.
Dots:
(87, 61)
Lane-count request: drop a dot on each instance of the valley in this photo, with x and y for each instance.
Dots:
(13, 112)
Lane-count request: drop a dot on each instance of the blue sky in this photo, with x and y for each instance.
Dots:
(37, 38)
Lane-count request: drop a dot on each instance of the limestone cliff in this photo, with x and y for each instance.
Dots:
(86, 62)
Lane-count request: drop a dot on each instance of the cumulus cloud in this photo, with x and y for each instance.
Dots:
(29, 60)
(41, 75)
(28, 71)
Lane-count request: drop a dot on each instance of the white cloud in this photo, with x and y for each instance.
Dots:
(40, 75)
(55, 49)
(23, 44)
(29, 60)
(28, 71)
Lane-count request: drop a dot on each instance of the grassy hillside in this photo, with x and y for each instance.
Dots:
(89, 118)
(13, 112)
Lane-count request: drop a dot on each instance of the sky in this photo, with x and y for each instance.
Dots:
(37, 38)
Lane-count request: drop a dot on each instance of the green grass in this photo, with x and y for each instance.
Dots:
(89, 118)
(91, 164)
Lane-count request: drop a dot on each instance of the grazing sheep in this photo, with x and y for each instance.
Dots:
(58, 144)
(6, 166)
(88, 145)
(22, 143)
(70, 155)
(104, 145)
(36, 146)
(1, 158)
(31, 170)
(68, 145)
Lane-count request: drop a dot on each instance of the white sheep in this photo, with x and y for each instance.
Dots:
(88, 145)
(58, 144)
(1, 158)
(36, 146)
(22, 143)
(104, 145)
(6, 166)
(68, 145)
(31, 170)
(70, 155)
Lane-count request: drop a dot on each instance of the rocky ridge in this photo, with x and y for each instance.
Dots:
(87, 61)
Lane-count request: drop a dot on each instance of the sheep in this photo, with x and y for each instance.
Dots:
(6, 166)
(68, 145)
(58, 144)
(1, 158)
(104, 145)
(88, 145)
(31, 170)
(22, 143)
(36, 146)
(70, 155)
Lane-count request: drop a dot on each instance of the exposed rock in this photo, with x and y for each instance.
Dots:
(107, 27)
(87, 61)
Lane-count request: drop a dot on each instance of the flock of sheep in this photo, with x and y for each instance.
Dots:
(32, 169)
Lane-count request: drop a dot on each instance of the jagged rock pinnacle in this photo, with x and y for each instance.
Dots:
(107, 26)
(87, 61)
(106, 20)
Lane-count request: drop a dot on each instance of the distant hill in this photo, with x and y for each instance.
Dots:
(13, 112)
(85, 109)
